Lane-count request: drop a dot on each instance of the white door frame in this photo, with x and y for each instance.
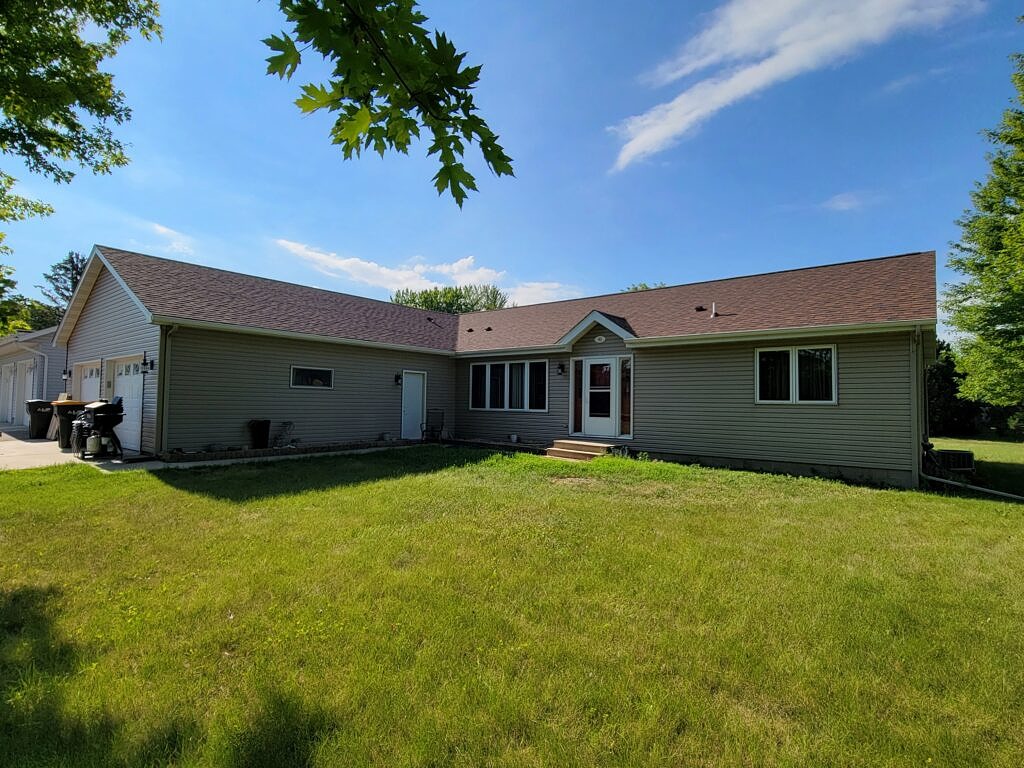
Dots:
(423, 405)
(616, 390)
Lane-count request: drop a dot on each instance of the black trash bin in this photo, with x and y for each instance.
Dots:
(39, 414)
(259, 430)
(67, 412)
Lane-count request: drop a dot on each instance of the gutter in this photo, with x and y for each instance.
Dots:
(777, 333)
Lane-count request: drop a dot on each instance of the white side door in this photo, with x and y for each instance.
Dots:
(414, 403)
(128, 386)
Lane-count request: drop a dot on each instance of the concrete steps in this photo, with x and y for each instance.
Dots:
(578, 450)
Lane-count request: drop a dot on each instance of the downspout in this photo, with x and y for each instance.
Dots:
(163, 386)
(969, 487)
(46, 362)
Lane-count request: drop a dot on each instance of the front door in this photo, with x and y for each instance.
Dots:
(600, 387)
(414, 398)
(128, 378)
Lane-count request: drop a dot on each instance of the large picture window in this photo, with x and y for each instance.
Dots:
(520, 385)
(796, 375)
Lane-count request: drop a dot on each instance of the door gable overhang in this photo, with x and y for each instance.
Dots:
(617, 326)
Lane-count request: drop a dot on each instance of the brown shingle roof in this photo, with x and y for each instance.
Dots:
(192, 292)
(892, 289)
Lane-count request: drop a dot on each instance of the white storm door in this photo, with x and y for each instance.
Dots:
(414, 396)
(128, 378)
(600, 395)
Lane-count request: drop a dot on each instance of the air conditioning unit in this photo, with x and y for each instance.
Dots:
(956, 461)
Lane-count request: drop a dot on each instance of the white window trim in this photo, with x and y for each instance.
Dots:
(794, 375)
(526, 386)
(291, 376)
(618, 400)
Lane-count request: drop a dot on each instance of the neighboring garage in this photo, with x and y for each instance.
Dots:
(30, 368)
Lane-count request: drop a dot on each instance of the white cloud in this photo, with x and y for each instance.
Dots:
(901, 84)
(845, 201)
(176, 242)
(755, 44)
(538, 292)
(465, 272)
(417, 276)
(359, 270)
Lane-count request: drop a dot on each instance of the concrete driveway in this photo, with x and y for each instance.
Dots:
(18, 452)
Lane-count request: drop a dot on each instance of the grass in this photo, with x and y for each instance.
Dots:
(438, 606)
(999, 464)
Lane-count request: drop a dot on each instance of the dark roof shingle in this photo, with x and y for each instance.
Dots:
(192, 292)
(892, 289)
(886, 290)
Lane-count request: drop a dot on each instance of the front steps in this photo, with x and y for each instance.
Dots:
(578, 450)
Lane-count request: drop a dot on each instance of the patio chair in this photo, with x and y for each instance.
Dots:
(434, 425)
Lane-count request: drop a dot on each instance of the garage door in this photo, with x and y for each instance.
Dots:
(128, 386)
(7, 393)
(89, 382)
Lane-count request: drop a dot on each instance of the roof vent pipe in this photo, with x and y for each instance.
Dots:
(714, 310)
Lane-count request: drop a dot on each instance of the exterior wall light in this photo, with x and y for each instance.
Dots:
(398, 379)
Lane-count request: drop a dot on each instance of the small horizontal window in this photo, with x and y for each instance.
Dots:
(313, 378)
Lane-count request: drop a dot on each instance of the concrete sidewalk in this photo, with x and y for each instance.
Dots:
(18, 452)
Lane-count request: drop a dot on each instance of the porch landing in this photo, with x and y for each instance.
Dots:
(578, 450)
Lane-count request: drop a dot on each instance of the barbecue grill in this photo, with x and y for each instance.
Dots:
(93, 433)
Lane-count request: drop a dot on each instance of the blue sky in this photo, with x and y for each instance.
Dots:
(674, 142)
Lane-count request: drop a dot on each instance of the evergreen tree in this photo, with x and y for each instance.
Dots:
(987, 308)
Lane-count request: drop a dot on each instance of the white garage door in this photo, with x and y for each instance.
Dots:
(7, 393)
(128, 386)
(89, 382)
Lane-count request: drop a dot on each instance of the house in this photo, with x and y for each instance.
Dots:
(30, 368)
(817, 370)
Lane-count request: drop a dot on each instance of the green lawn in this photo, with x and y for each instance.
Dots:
(437, 606)
(999, 463)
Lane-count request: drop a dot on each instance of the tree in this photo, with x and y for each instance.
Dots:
(453, 299)
(390, 79)
(988, 307)
(63, 278)
(56, 104)
(948, 413)
(641, 287)
(11, 304)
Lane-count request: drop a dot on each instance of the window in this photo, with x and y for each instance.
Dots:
(312, 378)
(538, 386)
(515, 386)
(796, 375)
(625, 396)
(478, 386)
